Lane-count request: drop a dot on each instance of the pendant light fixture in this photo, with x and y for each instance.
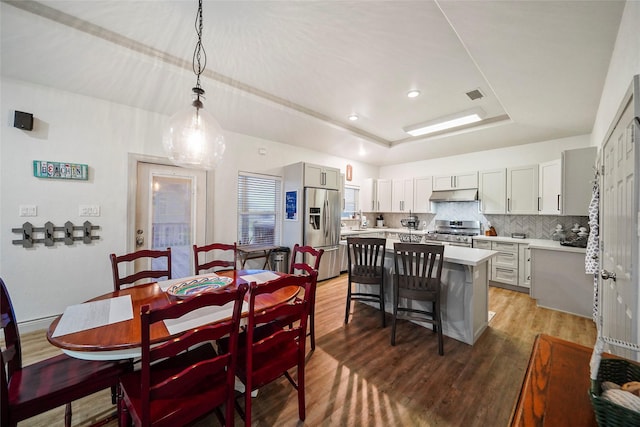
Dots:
(193, 137)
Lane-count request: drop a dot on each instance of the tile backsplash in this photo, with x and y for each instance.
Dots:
(534, 226)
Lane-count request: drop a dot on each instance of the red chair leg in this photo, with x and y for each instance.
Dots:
(301, 402)
(67, 415)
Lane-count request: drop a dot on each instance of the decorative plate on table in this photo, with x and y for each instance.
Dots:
(196, 286)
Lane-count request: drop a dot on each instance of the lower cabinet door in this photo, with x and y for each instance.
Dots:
(504, 275)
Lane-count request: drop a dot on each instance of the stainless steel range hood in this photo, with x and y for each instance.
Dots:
(468, 195)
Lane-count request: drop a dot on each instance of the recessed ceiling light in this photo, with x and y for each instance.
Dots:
(413, 93)
(447, 122)
(353, 117)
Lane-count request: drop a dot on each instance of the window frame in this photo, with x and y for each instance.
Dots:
(245, 231)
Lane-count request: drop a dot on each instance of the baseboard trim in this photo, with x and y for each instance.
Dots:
(36, 325)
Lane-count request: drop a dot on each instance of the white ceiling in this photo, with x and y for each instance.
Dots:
(292, 71)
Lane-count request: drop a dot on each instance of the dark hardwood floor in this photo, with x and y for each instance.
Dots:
(356, 378)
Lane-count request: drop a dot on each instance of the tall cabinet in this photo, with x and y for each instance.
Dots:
(550, 188)
(492, 191)
(422, 189)
(522, 190)
(375, 195)
(402, 195)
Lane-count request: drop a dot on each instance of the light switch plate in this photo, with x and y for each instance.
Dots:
(28, 210)
(89, 210)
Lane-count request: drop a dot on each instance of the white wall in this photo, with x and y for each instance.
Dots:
(625, 63)
(43, 280)
(519, 155)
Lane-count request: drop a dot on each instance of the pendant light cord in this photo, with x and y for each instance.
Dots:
(199, 62)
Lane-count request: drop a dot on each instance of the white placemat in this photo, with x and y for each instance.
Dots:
(202, 316)
(93, 314)
(263, 277)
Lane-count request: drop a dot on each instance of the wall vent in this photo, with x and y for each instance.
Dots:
(475, 94)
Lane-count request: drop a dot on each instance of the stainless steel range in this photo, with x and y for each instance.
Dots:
(454, 233)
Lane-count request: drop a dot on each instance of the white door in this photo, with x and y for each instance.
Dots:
(171, 212)
(619, 300)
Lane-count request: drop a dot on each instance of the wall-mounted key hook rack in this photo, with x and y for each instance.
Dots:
(49, 234)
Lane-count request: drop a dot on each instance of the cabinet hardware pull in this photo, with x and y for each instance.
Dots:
(558, 202)
(538, 203)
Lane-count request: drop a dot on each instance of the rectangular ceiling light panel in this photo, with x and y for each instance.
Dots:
(447, 122)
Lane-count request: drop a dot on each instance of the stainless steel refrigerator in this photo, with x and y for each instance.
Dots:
(321, 228)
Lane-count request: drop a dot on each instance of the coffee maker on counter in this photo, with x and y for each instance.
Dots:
(411, 222)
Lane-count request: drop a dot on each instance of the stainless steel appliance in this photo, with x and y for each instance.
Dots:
(411, 222)
(454, 233)
(319, 226)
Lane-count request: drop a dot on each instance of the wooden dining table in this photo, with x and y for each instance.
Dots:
(121, 340)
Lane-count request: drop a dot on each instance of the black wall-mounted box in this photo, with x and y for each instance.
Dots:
(22, 120)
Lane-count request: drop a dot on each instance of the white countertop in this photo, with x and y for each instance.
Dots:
(458, 254)
(352, 232)
(533, 243)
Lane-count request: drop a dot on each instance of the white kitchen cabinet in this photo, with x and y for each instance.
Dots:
(423, 187)
(512, 264)
(504, 266)
(524, 265)
(578, 168)
(492, 191)
(455, 182)
(550, 188)
(375, 195)
(522, 190)
(321, 177)
(402, 195)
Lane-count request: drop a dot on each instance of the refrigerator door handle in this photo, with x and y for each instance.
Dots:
(326, 219)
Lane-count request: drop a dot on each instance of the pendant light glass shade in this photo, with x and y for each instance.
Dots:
(194, 139)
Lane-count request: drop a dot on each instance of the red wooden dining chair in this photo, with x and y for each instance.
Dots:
(183, 390)
(307, 259)
(27, 391)
(149, 255)
(225, 257)
(271, 351)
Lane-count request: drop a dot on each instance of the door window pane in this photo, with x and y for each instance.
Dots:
(171, 222)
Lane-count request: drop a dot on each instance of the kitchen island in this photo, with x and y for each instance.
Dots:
(465, 291)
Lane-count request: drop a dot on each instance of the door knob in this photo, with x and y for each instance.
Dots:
(606, 275)
(139, 239)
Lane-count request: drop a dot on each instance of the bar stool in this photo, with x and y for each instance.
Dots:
(366, 267)
(417, 277)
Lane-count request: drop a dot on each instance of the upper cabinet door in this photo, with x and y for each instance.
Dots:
(522, 190)
(550, 188)
(466, 180)
(321, 177)
(578, 170)
(402, 195)
(422, 189)
(492, 191)
(384, 192)
(455, 182)
(442, 182)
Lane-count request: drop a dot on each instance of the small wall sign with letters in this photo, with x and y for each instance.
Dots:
(60, 170)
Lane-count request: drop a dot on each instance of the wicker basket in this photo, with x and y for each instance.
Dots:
(609, 414)
(410, 238)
